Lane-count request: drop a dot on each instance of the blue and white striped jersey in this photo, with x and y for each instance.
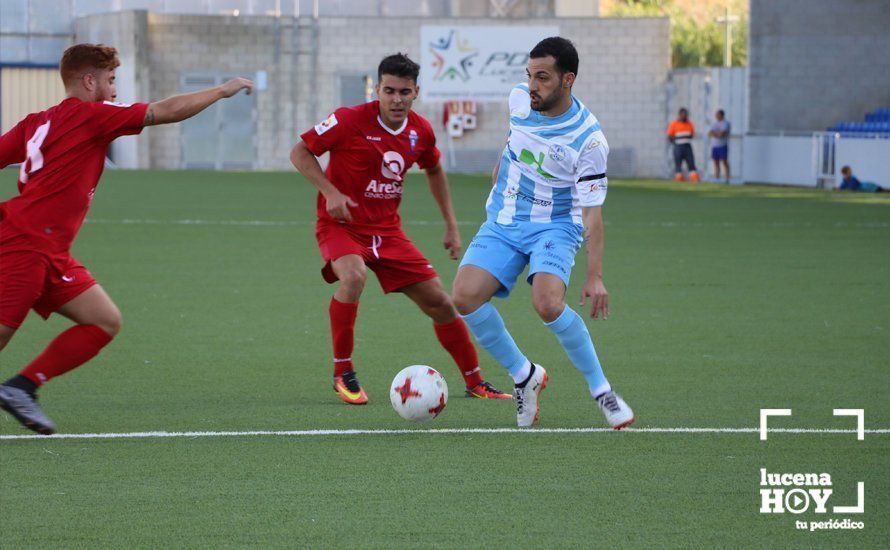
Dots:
(551, 167)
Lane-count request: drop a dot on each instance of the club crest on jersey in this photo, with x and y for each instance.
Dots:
(557, 152)
(326, 124)
(393, 165)
(412, 138)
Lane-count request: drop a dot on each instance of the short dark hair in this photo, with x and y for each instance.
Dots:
(561, 49)
(683, 110)
(400, 65)
(720, 112)
(846, 170)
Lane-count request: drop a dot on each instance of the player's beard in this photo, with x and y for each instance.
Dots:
(549, 102)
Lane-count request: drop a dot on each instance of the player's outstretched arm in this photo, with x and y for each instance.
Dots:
(438, 182)
(594, 288)
(180, 107)
(337, 203)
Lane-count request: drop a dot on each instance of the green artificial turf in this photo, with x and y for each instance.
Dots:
(725, 300)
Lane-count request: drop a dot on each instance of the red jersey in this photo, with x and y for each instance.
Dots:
(369, 160)
(62, 151)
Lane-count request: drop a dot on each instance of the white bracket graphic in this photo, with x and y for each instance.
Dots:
(766, 413)
(860, 423)
(860, 501)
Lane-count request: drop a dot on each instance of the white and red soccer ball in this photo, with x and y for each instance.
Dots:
(418, 393)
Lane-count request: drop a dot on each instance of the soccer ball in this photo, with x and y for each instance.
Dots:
(418, 393)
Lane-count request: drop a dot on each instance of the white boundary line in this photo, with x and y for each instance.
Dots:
(434, 431)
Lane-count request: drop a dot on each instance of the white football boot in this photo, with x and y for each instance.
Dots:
(527, 397)
(617, 413)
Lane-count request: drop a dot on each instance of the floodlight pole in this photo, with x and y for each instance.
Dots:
(727, 20)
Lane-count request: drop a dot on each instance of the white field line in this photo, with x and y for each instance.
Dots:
(433, 431)
(291, 223)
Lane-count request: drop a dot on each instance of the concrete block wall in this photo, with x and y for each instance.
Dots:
(624, 67)
(814, 63)
(220, 44)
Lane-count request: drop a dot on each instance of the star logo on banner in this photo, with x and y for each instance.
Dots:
(454, 57)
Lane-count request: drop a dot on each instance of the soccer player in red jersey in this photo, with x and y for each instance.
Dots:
(62, 153)
(371, 148)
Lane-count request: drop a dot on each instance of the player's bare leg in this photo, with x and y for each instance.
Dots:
(352, 273)
(432, 299)
(452, 333)
(473, 287)
(548, 296)
(97, 321)
(94, 307)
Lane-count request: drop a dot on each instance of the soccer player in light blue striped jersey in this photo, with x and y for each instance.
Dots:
(548, 192)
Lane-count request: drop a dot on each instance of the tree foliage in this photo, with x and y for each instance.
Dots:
(695, 41)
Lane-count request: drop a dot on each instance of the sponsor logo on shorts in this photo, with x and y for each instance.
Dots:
(68, 278)
(549, 245)
(556, 265)
(598, 186)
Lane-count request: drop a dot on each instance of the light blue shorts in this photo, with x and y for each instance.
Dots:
(505, 250)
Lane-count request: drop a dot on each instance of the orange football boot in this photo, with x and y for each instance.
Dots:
(484, 390)
(693, 177)
(349, 390)
(679, 177)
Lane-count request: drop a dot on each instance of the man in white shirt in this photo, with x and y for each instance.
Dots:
(549, 187)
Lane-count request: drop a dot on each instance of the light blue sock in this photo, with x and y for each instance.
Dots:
(488, 327)
(572, 334)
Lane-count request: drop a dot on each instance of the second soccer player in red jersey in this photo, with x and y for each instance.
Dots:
(371, 148)
(62, 154)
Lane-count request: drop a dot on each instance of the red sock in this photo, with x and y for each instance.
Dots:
(342, 334)
(69, 350)
(455, 338)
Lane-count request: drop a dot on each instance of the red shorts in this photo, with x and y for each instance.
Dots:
(29, 280)
(392, 257)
